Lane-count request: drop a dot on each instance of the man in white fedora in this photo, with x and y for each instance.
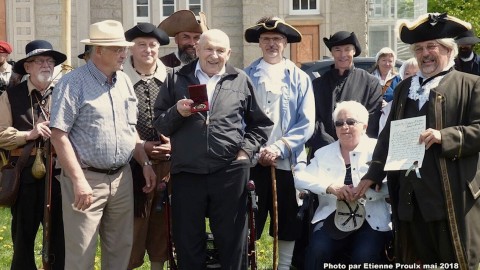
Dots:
(93, 130)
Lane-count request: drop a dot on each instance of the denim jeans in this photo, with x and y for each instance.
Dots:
(363, 246)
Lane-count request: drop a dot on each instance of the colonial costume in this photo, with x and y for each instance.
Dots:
(331, 88)
(285, 94)
(436, 212)
(150, 230)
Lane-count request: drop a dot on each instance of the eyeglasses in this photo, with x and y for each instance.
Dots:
(348, 121)
(118, 50)
(430, 48)
(266, 40)
(40, 62)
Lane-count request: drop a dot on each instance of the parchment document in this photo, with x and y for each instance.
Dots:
(404, 149)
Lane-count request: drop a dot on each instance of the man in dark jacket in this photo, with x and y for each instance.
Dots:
(436, 207)
(343, 82)
(211, 152)
(184, 27)
(467, 61)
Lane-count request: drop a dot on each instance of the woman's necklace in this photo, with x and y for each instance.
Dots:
(348, 166)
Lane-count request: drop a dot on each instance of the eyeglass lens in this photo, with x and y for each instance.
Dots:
(348, 121)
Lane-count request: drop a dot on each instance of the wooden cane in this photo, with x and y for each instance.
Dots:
(274, 218)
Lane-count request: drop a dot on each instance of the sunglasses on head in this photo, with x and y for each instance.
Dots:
(348, 121)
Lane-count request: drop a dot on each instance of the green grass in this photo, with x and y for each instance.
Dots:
(264, 246)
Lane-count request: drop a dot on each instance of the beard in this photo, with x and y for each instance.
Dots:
(44, 77)
(185, 56)
(464, 53)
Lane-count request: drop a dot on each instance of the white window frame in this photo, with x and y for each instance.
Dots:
(303, 11)
(201, 6)
(160, 3)
(136, 18)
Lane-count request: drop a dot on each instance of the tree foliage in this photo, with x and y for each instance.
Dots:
(466, 10)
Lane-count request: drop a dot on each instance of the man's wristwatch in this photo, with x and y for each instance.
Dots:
(147, 163)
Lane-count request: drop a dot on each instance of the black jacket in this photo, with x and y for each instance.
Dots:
(331, 88)
(235, 122)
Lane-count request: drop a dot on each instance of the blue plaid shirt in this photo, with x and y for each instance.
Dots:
(99, 117)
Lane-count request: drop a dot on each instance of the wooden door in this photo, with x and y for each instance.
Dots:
(309, 49)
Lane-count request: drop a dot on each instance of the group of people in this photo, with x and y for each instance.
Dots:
(123, 123)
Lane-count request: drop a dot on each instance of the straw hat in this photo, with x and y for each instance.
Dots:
(107, 33)
(184, 21)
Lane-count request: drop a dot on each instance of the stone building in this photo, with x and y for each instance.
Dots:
(24, 20)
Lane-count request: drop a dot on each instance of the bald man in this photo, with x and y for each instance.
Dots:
(211, 152)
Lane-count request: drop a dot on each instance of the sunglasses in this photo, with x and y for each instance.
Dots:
(348, 121)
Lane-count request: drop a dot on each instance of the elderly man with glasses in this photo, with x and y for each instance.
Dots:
(24, 121)
(93, 123)
(436, 207)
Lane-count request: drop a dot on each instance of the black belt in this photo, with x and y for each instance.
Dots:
(105, 171)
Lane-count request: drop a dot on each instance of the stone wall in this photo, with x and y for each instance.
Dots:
(253, 11)
(350, 19)
(233, 17)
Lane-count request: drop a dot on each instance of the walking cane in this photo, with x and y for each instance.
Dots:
(274, 218)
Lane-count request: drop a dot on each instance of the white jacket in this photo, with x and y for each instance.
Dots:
(328, 167)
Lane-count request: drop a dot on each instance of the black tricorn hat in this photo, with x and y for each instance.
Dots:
(38, 47)
(343, 38)
(467, 38)
(147, 30)
(431, 26)
(277, 25)
(88, 48)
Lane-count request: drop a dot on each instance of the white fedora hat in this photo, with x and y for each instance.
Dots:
(107, 33)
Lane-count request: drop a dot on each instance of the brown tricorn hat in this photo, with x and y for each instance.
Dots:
(184, 21)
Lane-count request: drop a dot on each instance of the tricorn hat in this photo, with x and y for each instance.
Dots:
(431, 26)
(107, 33)
(252, 34)
(36, 48)
(343, 38)
(184, 21)
(147, 30)
(467, 38)
(88, 48)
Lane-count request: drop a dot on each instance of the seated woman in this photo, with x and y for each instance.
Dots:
(332, 174)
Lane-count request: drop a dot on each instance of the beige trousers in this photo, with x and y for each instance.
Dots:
(110, 216)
